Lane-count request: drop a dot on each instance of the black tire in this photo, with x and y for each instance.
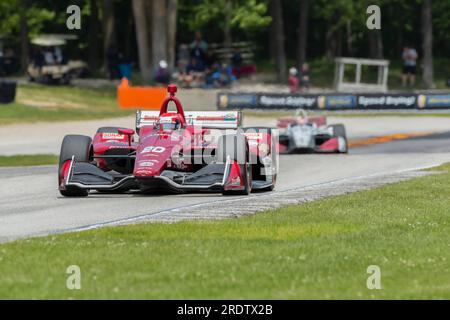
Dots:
(273, 145)
(339, 131)
(236, 147)
(80, 147)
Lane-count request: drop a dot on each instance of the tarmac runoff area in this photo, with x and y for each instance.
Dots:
(30, 204)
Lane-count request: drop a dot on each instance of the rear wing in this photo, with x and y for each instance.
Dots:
(205, 119)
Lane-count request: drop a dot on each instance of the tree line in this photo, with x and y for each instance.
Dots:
(282, 31)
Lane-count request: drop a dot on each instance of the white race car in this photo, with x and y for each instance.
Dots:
(304, 134)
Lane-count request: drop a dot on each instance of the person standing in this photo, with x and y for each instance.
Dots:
(293, 80)
(409, 57)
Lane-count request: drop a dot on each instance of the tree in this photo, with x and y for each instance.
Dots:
(142, 39)
(108, 20)
(302, 32)
(93, 36)
(277, 20)
(24, 35)
(158, 31)
(427, 44)
(171, 32)
(247, 15)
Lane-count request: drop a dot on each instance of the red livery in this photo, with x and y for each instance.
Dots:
(171, 152)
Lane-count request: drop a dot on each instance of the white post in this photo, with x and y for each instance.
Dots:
(385, 77)
(358, 73)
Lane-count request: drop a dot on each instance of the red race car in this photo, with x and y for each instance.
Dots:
(175, 152)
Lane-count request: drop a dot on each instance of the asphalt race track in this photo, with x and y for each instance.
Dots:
(30, 203)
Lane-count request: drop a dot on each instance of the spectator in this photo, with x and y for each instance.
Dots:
(236, 62)
(49, 57)
(2, 64)
(181, 76)
(58, 55)
(293, 80)
(304, 76)
(220, 76)
(112, 60)
(409, 57)
(210, 59)
(196, 69)
(162, 75)
(198, 48)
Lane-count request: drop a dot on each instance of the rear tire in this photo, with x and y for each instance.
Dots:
(80, 147)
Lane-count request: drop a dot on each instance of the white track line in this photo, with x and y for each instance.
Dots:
(130, 220)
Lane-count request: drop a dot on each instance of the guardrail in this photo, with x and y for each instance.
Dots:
(339, 101)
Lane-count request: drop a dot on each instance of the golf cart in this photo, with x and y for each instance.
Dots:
(48, 64)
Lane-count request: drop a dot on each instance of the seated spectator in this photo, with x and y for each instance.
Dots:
(181, 76)
(210, 59)
(293, 80)
(162, 75)
(220, 76)
(196, 69)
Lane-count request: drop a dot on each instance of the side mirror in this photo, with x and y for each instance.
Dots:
(127, 132)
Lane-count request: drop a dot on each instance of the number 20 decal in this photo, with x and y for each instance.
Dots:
(153, 149)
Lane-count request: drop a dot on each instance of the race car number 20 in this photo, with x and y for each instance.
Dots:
(153, 149)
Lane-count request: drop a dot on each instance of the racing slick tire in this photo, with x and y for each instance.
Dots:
(236, 147)
(80, 147)
(339, 132)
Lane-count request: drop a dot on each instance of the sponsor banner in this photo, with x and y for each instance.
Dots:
(338, 102)
(372, 101)
(431, 101)
(287, 101)
(237, 100)
(387, 101)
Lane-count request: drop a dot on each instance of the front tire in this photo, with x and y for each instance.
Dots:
(340, 133)
(79, 147)
(236, 148)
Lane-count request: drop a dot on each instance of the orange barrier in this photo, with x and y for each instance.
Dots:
(149, 98)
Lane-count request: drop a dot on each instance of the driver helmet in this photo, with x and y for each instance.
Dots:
(169, 121)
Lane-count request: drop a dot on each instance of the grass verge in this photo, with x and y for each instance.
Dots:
(28, 160)
(317, 250)
(60, 103)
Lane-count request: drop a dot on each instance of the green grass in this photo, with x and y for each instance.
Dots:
(60, 103)
(317, 250)
(28, 160)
